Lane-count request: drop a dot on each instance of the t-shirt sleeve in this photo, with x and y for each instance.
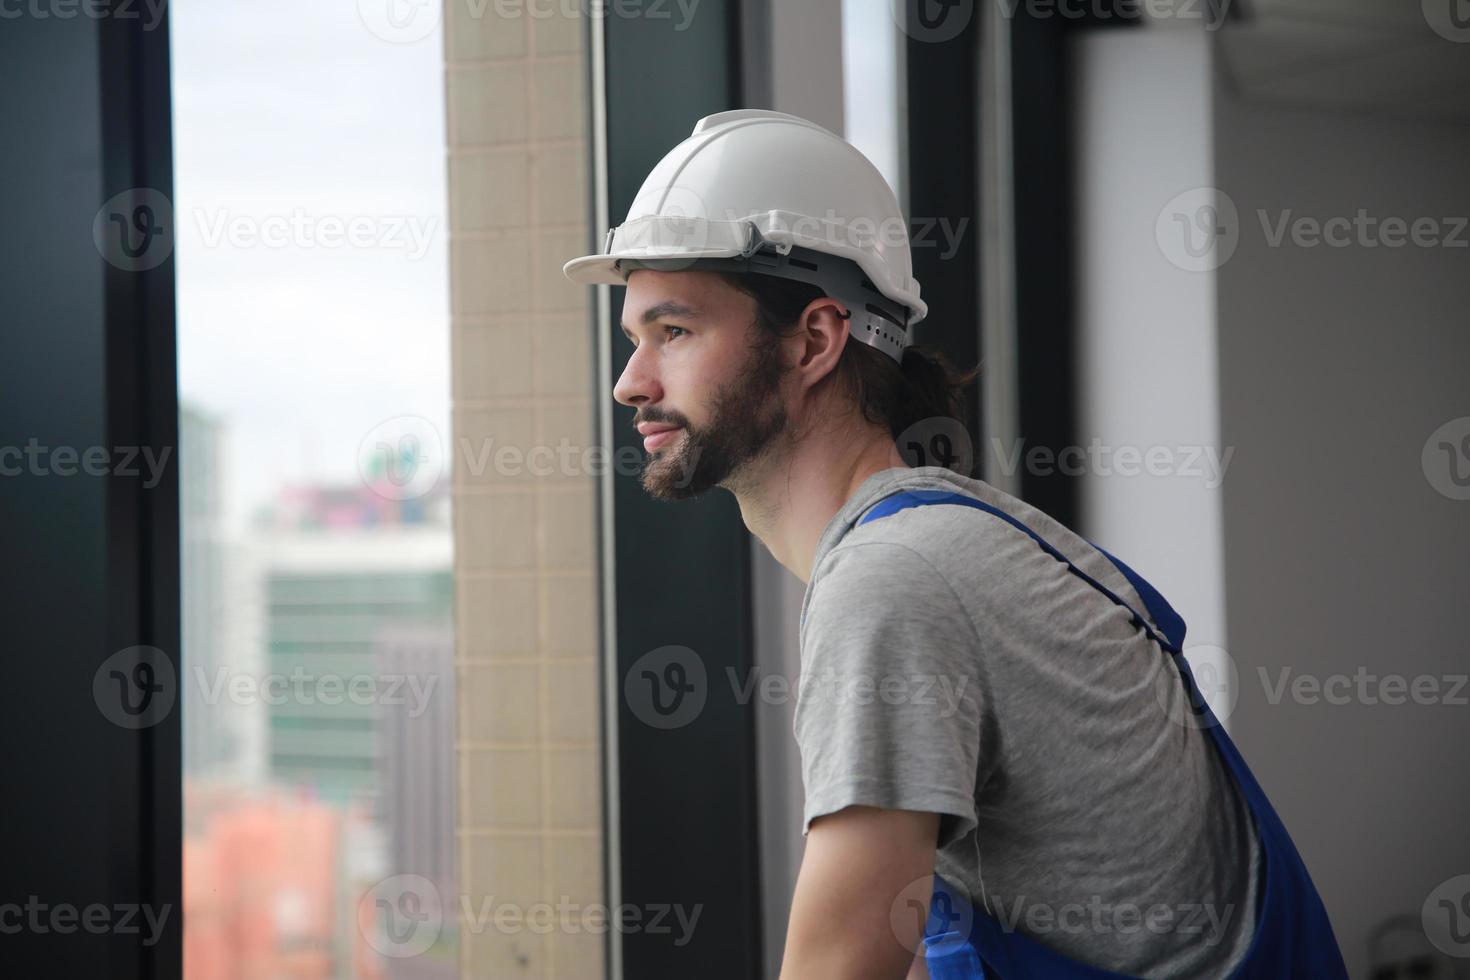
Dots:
(890, 707)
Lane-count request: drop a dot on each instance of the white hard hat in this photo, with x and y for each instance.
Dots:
(766, 192)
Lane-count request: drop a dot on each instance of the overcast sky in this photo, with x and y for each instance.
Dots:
(295, 112)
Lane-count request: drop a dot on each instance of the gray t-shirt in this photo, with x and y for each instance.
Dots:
(949, 664)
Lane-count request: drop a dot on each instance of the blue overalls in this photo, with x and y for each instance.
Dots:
(1293, 937)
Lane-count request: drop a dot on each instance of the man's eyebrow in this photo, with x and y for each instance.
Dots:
(670, 308)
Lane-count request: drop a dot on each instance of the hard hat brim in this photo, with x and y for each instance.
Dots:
(602, 268)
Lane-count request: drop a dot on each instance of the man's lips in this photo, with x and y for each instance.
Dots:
(655, 435)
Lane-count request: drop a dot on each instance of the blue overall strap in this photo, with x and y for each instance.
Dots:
(1171, 624)
(1293, 936)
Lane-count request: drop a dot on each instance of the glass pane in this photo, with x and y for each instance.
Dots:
(317, 547)
(872, 89)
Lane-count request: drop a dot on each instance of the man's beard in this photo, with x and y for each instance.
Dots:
(746, 416)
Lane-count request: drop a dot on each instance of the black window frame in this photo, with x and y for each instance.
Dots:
(94, 814)
(687, 820)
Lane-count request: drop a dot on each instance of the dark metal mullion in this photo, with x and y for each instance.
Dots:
(1043, 127)
(687, 815)
(143, 522)
(942, 79)
(91, 557)
(1042, 193)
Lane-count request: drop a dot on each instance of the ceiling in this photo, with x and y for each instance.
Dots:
(1377, 56)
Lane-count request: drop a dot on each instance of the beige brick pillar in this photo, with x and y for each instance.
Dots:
(529, 820)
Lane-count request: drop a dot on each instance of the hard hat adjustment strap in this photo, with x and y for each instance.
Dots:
(873, 318)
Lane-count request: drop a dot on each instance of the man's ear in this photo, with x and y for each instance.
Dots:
(822, 338)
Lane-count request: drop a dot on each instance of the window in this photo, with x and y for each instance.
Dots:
(316, 537)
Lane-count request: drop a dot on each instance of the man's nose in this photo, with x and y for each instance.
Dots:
(637, 383)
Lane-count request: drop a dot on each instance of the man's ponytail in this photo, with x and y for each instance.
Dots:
(934, 388)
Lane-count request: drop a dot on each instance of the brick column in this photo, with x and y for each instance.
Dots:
(526, 603)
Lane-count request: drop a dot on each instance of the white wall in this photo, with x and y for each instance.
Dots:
(1146, 323)
(1336, 364)
(1326, 550)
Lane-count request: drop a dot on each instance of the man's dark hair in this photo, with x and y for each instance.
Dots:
(925, 386)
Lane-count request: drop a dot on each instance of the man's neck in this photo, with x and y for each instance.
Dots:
(793, 501)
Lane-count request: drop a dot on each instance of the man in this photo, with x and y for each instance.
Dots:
(1028, 782)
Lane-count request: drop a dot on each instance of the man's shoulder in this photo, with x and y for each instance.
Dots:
(973, 532)
(952, 542)
(897, 568)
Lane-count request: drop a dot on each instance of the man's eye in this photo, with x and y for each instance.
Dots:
(681, 330)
